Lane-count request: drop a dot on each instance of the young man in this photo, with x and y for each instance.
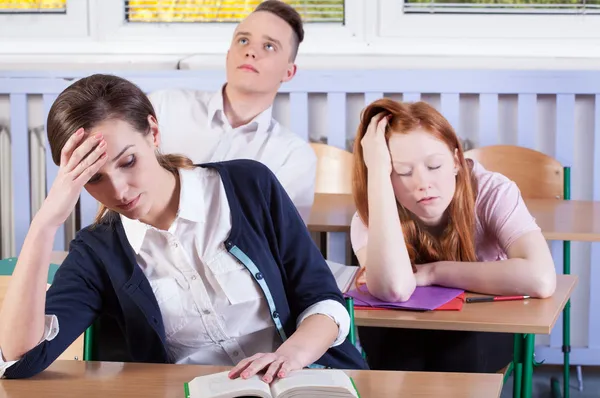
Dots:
(236, 121)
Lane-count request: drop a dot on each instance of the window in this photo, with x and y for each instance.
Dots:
(484, 28)
(224, 10)
(33, 6)
(503, 6)
(206, 26)
(50, 19)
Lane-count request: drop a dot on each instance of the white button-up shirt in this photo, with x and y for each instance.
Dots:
(213, 310)
(193, 123)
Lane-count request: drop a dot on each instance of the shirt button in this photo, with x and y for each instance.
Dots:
(235, 353)
(259, 276)
(193, 277)
(275, 314)
(206, 312)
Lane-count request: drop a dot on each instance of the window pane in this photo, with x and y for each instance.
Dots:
(33, 6)
(224, 10)
(503, 6)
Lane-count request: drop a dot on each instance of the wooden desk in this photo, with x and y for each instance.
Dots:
(331, 213)
(535, 316)
(112, 379)
(559, 219)
(573, 220)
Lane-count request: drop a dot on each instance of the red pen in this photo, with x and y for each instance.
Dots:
(495, 298)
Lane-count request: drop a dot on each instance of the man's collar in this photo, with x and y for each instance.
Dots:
(216, 114)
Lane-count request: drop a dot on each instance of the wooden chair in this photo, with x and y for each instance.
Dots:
(77, 350)
(333, 176)
(538, 176)
(334, 169)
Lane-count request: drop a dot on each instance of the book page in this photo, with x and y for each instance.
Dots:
(314, 383)
(219, 385)
(343, 274)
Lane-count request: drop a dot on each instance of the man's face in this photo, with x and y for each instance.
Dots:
(259, 58)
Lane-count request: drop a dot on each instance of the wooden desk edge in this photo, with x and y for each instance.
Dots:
(92, 370)
(471, 326)
(564, 300)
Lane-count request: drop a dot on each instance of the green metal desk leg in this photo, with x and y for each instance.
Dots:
(566, 324)
(567, 310)
(529, 343)
(517, 365)
(88, 344)
(350, 308)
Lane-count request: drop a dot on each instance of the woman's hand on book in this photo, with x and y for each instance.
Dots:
(80, 159)
(274, 364)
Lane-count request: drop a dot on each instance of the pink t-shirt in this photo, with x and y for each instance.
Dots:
(502, 217)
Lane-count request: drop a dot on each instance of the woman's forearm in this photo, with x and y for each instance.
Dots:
(22, 313)
(514, 276)
(389, 271)
(311, 340)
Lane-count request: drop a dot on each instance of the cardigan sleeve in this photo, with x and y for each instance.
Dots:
(75, 298)
(308, 278)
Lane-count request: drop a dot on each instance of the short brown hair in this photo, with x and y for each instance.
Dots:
(289, 15)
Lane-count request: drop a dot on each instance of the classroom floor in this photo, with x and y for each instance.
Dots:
(541, 382)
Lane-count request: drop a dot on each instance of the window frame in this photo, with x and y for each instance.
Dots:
(395, 24)
(72, 24)
(109, 25)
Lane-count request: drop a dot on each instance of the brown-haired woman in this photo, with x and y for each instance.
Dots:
(428, 216)
(202, 265)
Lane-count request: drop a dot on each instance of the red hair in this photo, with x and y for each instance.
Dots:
(457, 242)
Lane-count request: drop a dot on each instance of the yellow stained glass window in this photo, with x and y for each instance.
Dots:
(225, 10)
(32, 6)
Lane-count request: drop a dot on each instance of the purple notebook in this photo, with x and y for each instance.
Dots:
(424, 298)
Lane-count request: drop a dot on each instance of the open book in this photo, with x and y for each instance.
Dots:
(305, 383)
(344, 274)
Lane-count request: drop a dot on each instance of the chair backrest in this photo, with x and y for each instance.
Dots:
(537, 175)
(76, 350)
(334, 169)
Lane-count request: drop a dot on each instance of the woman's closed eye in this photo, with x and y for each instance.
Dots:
(130, 162)
(127, 165)
(408, 173)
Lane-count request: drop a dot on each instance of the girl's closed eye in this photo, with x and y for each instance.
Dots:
(434, 167)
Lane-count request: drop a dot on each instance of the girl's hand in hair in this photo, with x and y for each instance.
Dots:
(375, 150)
(80, 159)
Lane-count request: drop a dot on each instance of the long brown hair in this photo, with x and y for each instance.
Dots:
(457, 242)
(98, 98)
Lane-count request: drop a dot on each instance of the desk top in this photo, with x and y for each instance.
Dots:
(559, 219)
(111, 379)
(567, 219)
(536, 316)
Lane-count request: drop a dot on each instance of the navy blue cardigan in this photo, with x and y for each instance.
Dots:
(100, 277)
